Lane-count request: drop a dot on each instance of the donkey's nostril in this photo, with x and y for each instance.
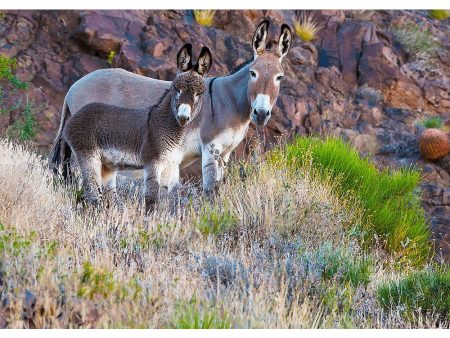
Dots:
(268, 113)
(254, 112)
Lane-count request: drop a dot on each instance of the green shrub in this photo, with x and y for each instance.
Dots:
(213, 220)
(196, 315)
(433, 122)
(14, 99)
(425, 291)
(25, 127)
(347, 267)
(391, 205)
(13, 244)
(156, 238)
(7, 68)
(416, 40)
(439, 14)
(95, 282)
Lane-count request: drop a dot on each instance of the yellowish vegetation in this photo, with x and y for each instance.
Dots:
(306, 27)
(283, 251)
(110, 57)
(204, 17)
(440, 14)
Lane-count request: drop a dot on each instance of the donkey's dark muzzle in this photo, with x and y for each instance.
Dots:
(183, 120)
(261, 116)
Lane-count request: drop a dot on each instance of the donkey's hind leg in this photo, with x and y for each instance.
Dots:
(91, 167)
(109, 179)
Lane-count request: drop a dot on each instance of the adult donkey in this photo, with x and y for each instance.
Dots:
(105, 138)
(230, 104)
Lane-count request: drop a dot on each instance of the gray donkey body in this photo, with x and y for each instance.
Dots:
(106, 138)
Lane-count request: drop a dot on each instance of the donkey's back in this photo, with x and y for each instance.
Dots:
(116, 87)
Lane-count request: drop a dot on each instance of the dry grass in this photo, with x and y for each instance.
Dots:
(306, 27)
(280, 255)
(204, 17)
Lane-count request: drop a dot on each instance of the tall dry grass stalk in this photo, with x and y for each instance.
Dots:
(262, 267)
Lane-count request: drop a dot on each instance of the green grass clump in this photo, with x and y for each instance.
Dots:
(347, 268)
(25, 127)
(14, 244)
(213, 220)
(417, 41)
(95, 282)
(426, 291)
(433, 122)
(204, 17)
(439, 14)
(391, 206)
(197, 315)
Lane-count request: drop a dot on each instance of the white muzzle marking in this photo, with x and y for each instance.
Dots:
(184, 112)
(262, 102)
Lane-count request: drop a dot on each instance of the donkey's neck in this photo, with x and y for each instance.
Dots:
(231, 92)
(162, 118)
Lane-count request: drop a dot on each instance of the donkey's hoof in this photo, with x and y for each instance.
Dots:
(210, 195)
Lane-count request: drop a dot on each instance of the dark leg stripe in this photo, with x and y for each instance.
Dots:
(210, 94)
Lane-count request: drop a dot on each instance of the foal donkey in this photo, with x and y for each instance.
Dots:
(106, 138)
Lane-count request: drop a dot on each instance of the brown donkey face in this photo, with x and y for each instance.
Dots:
(266, 73)
(189, 86)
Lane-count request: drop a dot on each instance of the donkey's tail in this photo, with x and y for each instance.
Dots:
(61, 152)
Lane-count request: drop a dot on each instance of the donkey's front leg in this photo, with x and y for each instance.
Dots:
(211, 167)
(152, 181)
(170, 177)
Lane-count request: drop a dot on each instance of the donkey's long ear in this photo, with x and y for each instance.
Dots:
(284, 42)
(259, 38)
(204, 62)
(184, 58)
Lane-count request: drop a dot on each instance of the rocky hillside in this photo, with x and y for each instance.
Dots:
(369, 76)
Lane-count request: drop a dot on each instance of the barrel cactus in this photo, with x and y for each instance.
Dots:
(433, 142)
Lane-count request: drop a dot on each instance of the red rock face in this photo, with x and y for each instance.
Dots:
(354, 80)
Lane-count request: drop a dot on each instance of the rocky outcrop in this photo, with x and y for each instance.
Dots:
(355, 80)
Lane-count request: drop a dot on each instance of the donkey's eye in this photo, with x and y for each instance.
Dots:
(252, 73)
(279, 77)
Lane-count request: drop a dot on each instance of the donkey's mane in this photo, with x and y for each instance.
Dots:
(152, 108)
(240, 66)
